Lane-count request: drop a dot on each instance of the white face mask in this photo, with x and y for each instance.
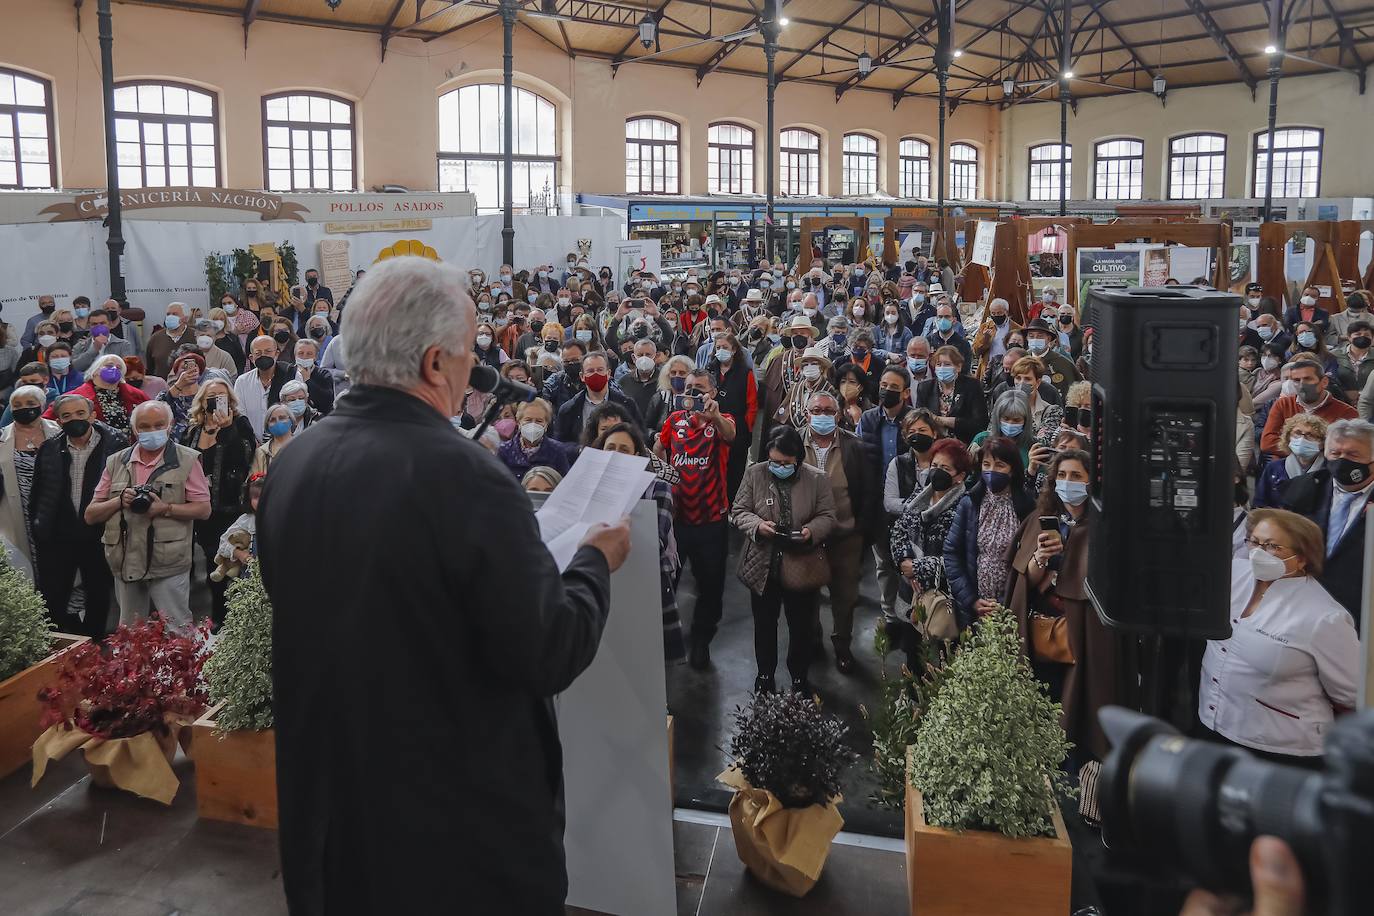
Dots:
(217, 325)
(1269, 362)
(564, 303)
(1308, 301)
(1254, 301)
(644, 363)
(858, 311)
(1266, 566)
(205, 341)
(811, 372)
(1289, 388)
(809, 313)
(484, 340)
(532, 432)
(305, 362)
(46, 340)
(890, 318)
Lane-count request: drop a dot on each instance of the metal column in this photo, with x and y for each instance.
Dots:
(508, 8)
(115, 241)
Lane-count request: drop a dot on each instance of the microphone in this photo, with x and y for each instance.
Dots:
(488, 381)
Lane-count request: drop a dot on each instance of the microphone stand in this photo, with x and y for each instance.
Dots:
(497, 402)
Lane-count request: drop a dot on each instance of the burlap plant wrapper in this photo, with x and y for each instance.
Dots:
(785, 848)
(141, 764)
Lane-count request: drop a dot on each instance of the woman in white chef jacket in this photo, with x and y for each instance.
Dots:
(1292, 661)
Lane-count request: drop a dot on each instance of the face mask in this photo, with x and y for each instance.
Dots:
(1307, 339)
(1048, 297)
(281, 336)
(532, 432)
(1265, 332)
(1303, 447)
(75, 429)
(946, 373)
(1308, 393)
(312, 282)
(918, 298)
(723, 355)
(1361, 342)
(279, 427)
(889, 398)
(173, 322)
(1011, 430)
(945, 325)
(251, 292)
(263, 363)
(999, 320)
(809, 312)
(1071, 492)
(505, 279)
(678, 384)
(564, 302)
(1066, 320)
(920, 442)
(765, 284)
(583, 336)
(297, 407)
(551, 346)
(597, 381)
(26, 415)
(799, 341)
(47, 309)
(82, 313)
(483, 340)
(205, 341)
(1038, 345)
(1289, 388)
(217, 325)
(996, 481)
(1254, 301)
(1271, 362)
(230, 308)
(644, 364)
(305, 362)
(777, 271)
(781, 471)
(917, 366)
(65, 326)
(1350, 473)
(153, 440)
(1308, 301)
(890, 318)
(940, 480)
(791, 285)
(110, 375)
(858, 271)
(811, 372)
(46, 340)
(858, 311)
(837, 340)
(60, 364)
(1265, 566)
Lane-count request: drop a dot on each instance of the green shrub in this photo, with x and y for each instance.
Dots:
(25, 630)
(239, 672)
(902, 703)
(990, 740)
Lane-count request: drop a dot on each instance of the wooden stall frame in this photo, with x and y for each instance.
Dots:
(809, 224)
(1273, 240)
(1010, 277)
(1348, 252)
(1193, 235)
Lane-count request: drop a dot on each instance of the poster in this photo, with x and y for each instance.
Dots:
(636, 255)
(983, 239)
(1106, 267)
(1156, 269)
(909, 245)
(335, 269)
(1243, 265)
(1189, 264)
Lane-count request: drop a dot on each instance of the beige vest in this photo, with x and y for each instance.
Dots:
(136, 547)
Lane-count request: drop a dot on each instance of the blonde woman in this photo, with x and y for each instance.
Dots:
(226, 442)
(1303, 440)
(279, 433)
(19, 444)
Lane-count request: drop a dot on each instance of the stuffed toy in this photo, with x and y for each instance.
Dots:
(225, 568)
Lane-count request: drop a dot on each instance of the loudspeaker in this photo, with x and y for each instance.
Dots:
(1163, 446)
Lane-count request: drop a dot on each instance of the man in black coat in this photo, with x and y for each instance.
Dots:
(417, 748)
(65, 543)
(880, 431)
(597, 389)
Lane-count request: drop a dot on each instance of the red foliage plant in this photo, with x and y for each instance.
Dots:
(144, 674)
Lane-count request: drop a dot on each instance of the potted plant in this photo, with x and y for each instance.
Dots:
(29, 651)
(983, 831)
(125, 707)
(234, 746)
(902, 703)
(789, 757)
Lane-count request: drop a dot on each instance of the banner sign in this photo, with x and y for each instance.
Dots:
(1106, 267)
(232, 205)
(636, 255)
(984, 238)
(97, 204)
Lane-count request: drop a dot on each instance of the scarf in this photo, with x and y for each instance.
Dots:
(1294, 470)
(242, 321)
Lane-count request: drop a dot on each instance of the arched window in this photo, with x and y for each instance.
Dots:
(730, 168)
(800, 173)
(1197, 166)
(1047, 162)
(471, 145)
(914, 158)
(308, 142)
(651, 156)
(1297, 162)
(1120, 167)
(166, 134)
(26, 132)
(963, 171)
(860, 175)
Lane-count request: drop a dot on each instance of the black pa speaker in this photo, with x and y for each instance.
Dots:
(1163, 446)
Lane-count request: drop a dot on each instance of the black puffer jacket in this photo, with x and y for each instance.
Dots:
(54, 518)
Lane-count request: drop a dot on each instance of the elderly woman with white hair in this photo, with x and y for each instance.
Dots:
(295, 397)
(19, 444)
(114, 399)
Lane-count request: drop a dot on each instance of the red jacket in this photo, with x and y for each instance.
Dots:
(129, 396)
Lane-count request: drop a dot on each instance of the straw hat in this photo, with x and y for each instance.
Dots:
(754, 295)
(799, 324)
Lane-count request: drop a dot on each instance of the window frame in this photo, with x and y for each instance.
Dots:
(498, 157)
(904, 185)
(715, 148)
(1138, 159)
(868, 162)
(675, 143)
(309, 126)
(1256, 185)
(974, 162)
(1062, 162)
(164, 119)
(813, 165)
(12, 111)
(1221, 154)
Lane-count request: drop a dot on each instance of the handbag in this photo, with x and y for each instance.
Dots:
(1050, 636)
(806, 570)
(932, 612)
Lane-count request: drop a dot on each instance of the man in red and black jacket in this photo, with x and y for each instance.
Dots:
(697, 444)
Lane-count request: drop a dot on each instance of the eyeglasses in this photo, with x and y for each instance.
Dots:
(1271, 548)
(823, 411)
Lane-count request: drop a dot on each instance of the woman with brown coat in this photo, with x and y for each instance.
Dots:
(784, 506)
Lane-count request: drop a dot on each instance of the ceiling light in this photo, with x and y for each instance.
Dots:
(647, 28)
(1270, 49)
(1160, 85)
(1068, 74)
(1008, 88)
(958, 52)
(865, 64)
(784, 21)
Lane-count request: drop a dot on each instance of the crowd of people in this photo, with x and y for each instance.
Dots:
(822, 413)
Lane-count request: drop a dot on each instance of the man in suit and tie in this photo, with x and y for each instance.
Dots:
(1336, 497)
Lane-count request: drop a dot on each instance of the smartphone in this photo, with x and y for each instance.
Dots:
(686, 402)
(213, 404)
(221, 407)
(796, 536)
(1049, 523)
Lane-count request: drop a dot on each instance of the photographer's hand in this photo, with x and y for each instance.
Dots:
(1276, 878)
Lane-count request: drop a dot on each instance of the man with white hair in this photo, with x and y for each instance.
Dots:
(175, 332)
(429, 576)
(990, 341)
(149, 499)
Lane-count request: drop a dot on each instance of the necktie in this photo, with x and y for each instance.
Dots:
(1340, 518)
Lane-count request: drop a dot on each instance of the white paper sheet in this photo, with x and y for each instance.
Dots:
(601, 487)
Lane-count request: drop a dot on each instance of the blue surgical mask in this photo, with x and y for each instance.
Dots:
(1011, 430)
(945, 325)
(1304, 448)
(297, 407)
(916, 365)
(173, 322)
(822, 424)
(837, 340)
(678, 385)
(1265, 332)
(279, 427)
(1307, 339)
(82, 313)
(996, 481)
(723, 354)
(1038, 345)
(781, 471)
(583, 335)
(60, 364)
(946, 373)
(1071, 492)
(153, 440)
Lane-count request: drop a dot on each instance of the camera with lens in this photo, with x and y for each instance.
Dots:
(143, 498)
(1192, 808)
(640, 330)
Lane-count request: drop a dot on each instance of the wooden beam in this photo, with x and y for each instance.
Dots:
(430, 36)
(727, 48)
(819, 41)
(1210, 25)
(452, 5)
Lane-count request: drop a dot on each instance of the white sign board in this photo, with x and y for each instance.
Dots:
(636, 255)
(984, 238)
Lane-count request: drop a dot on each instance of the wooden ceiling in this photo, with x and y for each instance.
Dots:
(1118, 45)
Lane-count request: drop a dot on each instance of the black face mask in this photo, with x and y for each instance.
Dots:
(536, 326)
(550, 346)
(999, 320)
(65, 326)
(251, 293)
(1025, 387)
(940, 479)
(1347, 473)
(263, 363)
(889, 398)
(1361, 342)
(920, 442)
(317, 333)
(134, 382)
(574, 371)
(26, 415)
(800, 342)
(1065, 320)
(312, 281)
(75, 429)
(281, 337)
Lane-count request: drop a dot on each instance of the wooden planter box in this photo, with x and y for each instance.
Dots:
(958, 874)
(236, 774)
(19, 707)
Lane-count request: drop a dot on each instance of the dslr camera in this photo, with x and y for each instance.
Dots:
(143, 498)
(1192, 808)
